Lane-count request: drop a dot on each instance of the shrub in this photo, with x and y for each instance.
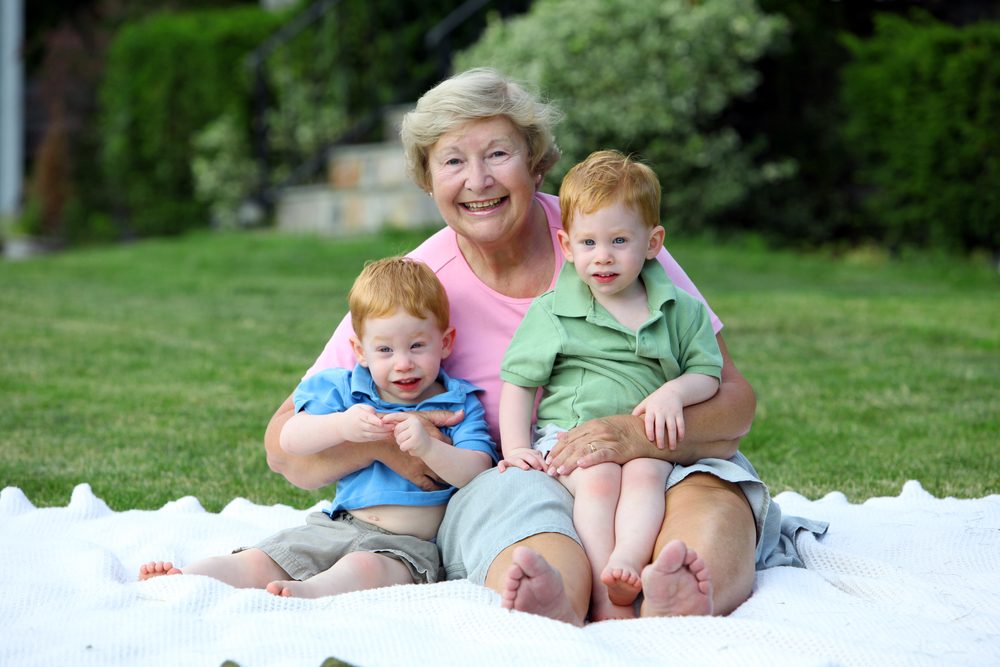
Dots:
(167, 77)
(648, 76)
(923, 104)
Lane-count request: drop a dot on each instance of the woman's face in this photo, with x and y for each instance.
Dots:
(481, 180)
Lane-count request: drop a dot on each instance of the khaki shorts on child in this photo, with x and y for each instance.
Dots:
(305, 551)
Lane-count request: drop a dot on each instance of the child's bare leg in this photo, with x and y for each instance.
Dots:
(637, 523)
(595, 491)
(251, 568)
(357, 571)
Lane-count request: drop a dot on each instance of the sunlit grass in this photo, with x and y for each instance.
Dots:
(150, 370)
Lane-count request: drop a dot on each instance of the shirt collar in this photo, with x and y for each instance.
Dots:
(574, 299)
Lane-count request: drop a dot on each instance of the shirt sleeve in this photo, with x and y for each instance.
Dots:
(472, 432)
(322, 393)
(532, 351)
(699, 349)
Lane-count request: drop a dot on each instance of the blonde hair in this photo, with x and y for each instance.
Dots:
(477, 94)
(607, 177)
(393, 283)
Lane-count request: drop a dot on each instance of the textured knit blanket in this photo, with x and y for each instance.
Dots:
(910, 580)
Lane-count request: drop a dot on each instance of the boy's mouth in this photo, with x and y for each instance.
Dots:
(407, 383)
(483, 205)
(605, 278)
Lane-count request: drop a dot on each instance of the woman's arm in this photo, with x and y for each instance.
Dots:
(712, 429)
(326, 467)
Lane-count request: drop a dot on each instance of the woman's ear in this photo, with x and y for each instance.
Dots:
(359, 351)
(565, 245)
(656, 237)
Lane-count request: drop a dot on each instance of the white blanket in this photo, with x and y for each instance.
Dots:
(911, 580)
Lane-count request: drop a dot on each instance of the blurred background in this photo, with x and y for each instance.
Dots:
(811, 124)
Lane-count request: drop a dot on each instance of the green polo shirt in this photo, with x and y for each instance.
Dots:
(592, 366)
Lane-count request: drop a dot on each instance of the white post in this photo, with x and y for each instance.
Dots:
(11, 105)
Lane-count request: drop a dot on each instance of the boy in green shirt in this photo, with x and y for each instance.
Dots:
(615, 336)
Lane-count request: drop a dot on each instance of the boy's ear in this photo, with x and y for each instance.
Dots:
(359, 351)
(565, 245)
(447, 342)
(655, 241)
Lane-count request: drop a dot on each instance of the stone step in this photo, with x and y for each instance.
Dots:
(367, 166)
(320, 210)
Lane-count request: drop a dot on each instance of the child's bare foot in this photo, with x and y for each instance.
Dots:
(623, 582)
(676, 584)
(534, 586)
(296, 589)
(157, 568)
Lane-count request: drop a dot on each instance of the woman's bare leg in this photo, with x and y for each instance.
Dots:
(715, 527)
(546, 574)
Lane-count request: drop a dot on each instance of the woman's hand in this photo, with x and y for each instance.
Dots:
(615, 439)
(413, 468)
(523, 458)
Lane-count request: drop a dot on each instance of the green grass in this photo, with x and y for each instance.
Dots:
(150, 370)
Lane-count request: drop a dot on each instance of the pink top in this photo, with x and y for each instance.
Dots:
(484, 320)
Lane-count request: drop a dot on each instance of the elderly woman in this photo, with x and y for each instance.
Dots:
(480, 145)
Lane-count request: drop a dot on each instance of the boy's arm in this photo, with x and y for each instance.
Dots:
(328, 466)
(454, 465)
(663, 410)
(516, 405)
(306, 433)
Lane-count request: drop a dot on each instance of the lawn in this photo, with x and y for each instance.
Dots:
(149, 370)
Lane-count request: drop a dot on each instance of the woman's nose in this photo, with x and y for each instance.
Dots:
(480, 177)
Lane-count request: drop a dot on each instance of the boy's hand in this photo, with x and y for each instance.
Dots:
(523, 458)
(663, 415)
(409, 431)
(364, 425)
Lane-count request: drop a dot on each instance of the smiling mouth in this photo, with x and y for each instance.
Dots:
(605, 277)
(409, 383)
(484, 205)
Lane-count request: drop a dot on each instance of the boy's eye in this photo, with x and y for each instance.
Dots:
(589, 242)
(416, 346)
(383, 349)
(619, 240)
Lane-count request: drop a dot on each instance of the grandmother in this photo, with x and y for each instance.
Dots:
(480, 144)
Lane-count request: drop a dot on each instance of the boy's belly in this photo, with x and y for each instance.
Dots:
(420, 522)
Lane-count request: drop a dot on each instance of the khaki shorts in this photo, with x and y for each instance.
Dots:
(305, 551)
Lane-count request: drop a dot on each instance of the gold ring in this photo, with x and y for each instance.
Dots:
(592, 450)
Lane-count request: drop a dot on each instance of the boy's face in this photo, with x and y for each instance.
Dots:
(609, 247)
(403, 354)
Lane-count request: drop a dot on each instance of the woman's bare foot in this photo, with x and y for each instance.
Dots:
(677, 583)
(534, 586)
(157, 568)
(624, 583)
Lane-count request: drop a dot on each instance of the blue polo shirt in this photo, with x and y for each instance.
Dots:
(336, 389)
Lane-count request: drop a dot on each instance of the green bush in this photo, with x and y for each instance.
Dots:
(167, 77)
(923, 105)
(652, 77)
